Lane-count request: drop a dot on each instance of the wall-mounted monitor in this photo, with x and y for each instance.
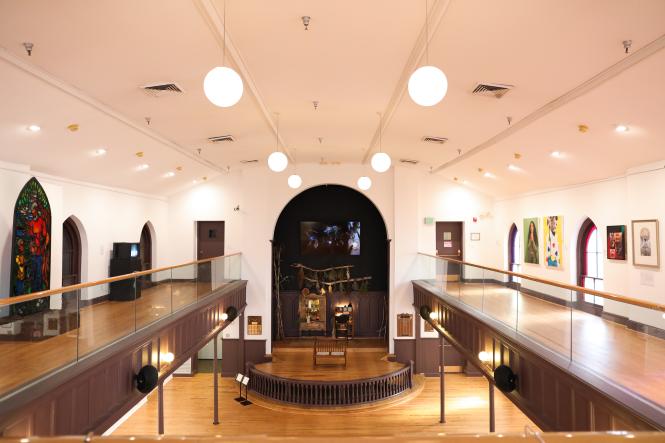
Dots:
(322, 238)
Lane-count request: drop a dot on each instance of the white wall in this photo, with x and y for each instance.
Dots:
(106, 216)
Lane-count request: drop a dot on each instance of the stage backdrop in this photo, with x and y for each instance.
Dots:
(31, 247)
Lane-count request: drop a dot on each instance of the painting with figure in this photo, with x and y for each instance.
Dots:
(531, 248)
(553, 241)
(616, 242)
(31, 248)
(646, 243)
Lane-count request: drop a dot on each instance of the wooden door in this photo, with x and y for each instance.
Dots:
(209, 243)
(450, 244)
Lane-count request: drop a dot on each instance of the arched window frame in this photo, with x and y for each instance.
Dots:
(584, 254)
(514, 262)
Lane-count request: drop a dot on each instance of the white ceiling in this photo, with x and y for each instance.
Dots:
(354, 60)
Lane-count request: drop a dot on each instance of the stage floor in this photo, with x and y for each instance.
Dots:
(367, 358)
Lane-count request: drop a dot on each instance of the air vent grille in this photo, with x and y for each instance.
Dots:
(437, 140)
(160, 89)
(409, 161)
(245, 162)
(496, 90)
(221, 138)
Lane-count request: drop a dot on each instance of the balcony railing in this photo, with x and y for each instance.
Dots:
(45, 331)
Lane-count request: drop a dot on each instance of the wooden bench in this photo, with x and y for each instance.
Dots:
(329, 349)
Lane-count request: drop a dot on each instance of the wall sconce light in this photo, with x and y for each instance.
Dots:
(146, 379)
(231, 313)
(167, 357)
(433, 315)
(485, 356)
(425, 312)
(225, 316)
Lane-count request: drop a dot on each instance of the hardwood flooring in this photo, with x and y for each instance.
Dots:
(188, 411)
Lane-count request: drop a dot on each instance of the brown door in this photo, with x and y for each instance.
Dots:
(450, 244)
(210, 239)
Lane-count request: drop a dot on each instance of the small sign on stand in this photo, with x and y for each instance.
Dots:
(245, 381)
(239, 378)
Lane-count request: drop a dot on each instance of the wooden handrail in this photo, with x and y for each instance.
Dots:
(35, 295)
(607, 295)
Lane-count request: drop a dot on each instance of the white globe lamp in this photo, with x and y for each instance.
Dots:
(364, 183)
(294, 181)
(381, 162)
(428, 85)
(277, 161)
(223, 86)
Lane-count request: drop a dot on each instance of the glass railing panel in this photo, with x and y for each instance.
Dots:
(37, 337)
(184, 286)
(470, 280)
(107, 313)
(153, 297)
(234, 267)
(204, 278)
(500, 298)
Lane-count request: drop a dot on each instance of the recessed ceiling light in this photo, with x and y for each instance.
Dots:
(195, 181)
(142, 167)
(621, 128)
(34, 128)
(99, 152)
(557, 154)
(465, 182)
(514, 168)
(169, 174)
(488, 175)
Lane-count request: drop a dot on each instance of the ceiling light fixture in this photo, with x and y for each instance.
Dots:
(169, 174)
(513, 168)
(99, 152)
(381, 161)
(34, 128)
(364, 183)
(489, 175)
(142, 167)
(465, 182)
(222, 85)
(277, 161)
(557, 154)
(621, 128)
(428, 84)
(294, 181)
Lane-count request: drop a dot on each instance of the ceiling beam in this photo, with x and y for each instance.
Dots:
(96, 104)
(581, 89)
(435, 15)
(213, 19)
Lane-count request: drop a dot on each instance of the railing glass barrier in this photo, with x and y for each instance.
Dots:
(619, 338)
(42, 332)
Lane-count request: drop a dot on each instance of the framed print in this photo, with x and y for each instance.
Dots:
(645, 243)
(475, 236)
(531, 248)
(616, 242)
(553, 241)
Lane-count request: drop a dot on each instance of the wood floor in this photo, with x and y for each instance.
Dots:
(632, 359)
(188, 411)
(100, 324)
(296, 363)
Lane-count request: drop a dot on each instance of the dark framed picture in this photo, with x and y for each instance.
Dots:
(616, 242)
(645, 243)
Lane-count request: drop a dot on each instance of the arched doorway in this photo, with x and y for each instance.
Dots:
(145, 248)
(71, 253)
(330, 233)
(590, 262)
(514, 253)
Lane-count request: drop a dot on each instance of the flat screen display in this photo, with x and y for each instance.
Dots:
(321, 238)
(134, 251)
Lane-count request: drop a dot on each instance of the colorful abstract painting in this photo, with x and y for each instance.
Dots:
(616, 242)
(553, 229)
(31, 247)
(531, 251)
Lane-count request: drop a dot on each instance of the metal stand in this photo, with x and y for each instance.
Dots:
(215, 376)
(160, 408)
(492, 422)
(442, 377)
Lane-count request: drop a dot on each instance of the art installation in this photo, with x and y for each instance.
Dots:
(553, 228)
(318, 238)
(645, 243)
(531, 251)
(616, 242)
(31, 248)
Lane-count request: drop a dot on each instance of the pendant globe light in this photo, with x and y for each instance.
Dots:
(222, 85)
(428, 84)
(277, 161)
(364, 183)
(380, 161)
(294, 180)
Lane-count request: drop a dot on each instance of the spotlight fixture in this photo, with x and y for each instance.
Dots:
(146, 379)
(428, 84)
(621, 128)
(225, 316)
(380, 161)
(169, 174)
(557, 154)
(222, 85)
(433, 315)
(425, 312)
(34, 128)
(513, 168)
(99, 152)
(231, 313)
(167, 357)
(484, 356)
(364, 183)
(294, 181)
(489, 175)
(277, 161)
(142, 167)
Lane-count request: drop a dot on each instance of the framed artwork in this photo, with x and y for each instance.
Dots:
(645, 243)
(254, 325)
(531, 239)
(616, 242)
(553, 241)
(475, 236)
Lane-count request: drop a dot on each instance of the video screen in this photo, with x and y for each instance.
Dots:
(319, 238)
(134, 252)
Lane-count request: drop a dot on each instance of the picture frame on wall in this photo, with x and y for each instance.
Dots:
(616, 242)
(646, 250)
(531, 240)
(553, 241)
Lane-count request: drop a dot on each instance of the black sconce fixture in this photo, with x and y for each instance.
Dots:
(425, 312)
(146, 379)
(230, 314)
(505, 378)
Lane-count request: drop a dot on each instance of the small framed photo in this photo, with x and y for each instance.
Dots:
(475, 236)
(616, 242)
(645, 243)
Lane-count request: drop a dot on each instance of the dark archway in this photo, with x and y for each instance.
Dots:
(71, 253)
(145, 248)
(334, 205)
(514, 253)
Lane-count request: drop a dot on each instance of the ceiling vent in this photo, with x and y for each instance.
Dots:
(245, 162)
(408, 161)
(221, 138)
(495, 90)
(437, 140)
(161, 89)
